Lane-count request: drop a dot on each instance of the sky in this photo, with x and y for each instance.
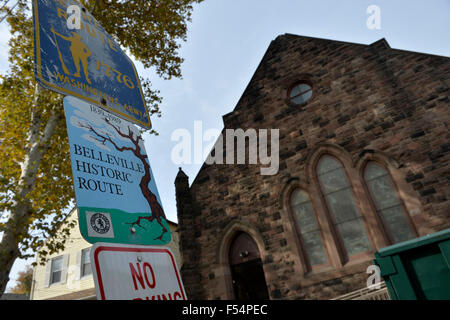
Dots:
(227, 39)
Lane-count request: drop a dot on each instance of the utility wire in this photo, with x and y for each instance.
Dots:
(6, 2)
(10, 10)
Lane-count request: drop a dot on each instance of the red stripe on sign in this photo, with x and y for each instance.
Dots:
(99, 275)
(176, 273)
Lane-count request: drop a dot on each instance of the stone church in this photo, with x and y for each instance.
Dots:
(364, 163)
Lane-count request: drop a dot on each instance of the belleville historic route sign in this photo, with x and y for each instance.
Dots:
(115, 190)
(130, 272)
(86, 63)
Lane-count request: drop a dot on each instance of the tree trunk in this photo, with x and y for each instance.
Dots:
(9, 252)
(17, 224)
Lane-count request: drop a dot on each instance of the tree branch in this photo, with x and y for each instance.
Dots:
(120, 133)
(91, 129)
(128, 136)
(38, 145)
(52, 122)
(96, 3)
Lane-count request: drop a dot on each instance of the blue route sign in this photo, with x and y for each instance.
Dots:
(86, 63)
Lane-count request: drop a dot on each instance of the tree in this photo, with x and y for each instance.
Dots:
(24, 281)
(35, 174)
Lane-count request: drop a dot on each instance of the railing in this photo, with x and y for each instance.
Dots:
(367, 294)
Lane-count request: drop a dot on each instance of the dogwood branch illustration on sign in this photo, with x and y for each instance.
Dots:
(115, 190)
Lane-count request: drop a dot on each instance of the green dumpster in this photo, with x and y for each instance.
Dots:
(417, 269)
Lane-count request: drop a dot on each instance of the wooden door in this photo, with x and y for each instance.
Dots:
(247, 271)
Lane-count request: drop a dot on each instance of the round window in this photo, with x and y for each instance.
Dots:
(300, 93)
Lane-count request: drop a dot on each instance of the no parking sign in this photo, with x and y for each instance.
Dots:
(130, 272)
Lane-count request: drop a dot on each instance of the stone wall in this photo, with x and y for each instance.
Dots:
(370, 102)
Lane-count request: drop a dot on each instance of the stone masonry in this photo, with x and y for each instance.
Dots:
(369, 102)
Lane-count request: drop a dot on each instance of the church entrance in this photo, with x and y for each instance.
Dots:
(247, 271)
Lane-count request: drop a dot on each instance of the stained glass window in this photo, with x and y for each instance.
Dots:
(387, 204)
(338, 194)
(308, 227)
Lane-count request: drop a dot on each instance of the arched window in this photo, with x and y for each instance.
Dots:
(339, 197)
(387, 204)
(308, 228)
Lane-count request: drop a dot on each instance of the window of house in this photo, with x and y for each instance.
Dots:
(387, 203)
(308, 228)
(339, 197)
(56, 269)
(300, 93)
(86, 262)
